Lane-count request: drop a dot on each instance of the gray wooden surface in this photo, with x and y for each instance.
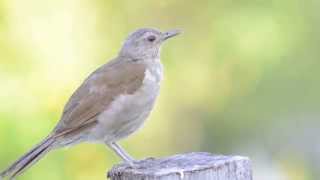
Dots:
(191, 166)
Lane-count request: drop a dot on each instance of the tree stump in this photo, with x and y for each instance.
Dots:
(191, 166)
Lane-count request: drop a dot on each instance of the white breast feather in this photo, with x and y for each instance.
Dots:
(129, 110)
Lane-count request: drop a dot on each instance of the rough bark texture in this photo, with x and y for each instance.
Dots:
(191, 166)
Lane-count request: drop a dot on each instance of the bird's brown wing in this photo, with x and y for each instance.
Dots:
(97, 92)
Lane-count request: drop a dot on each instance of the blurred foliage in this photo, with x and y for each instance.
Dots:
(243, 79)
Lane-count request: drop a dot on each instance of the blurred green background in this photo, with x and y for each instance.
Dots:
(243, 79)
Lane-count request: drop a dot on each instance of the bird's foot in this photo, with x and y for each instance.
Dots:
(132, 163)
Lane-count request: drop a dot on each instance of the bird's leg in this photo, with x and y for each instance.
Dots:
(120, 151)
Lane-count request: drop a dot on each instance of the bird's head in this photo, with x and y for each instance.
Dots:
(145, 43)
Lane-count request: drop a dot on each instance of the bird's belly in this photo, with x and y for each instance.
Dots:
(126, 114)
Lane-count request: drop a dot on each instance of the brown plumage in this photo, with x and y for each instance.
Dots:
(98, 91)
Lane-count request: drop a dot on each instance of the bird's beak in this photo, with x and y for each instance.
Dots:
(170, 34)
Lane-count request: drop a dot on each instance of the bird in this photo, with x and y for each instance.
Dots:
(111, 103)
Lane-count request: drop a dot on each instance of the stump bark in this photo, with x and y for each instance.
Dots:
(191, 166)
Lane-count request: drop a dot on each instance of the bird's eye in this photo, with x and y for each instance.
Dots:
(151, 38)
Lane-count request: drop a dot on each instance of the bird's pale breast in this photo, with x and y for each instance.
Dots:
(128, 112)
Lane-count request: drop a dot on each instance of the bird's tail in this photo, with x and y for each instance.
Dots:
(28, 159)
